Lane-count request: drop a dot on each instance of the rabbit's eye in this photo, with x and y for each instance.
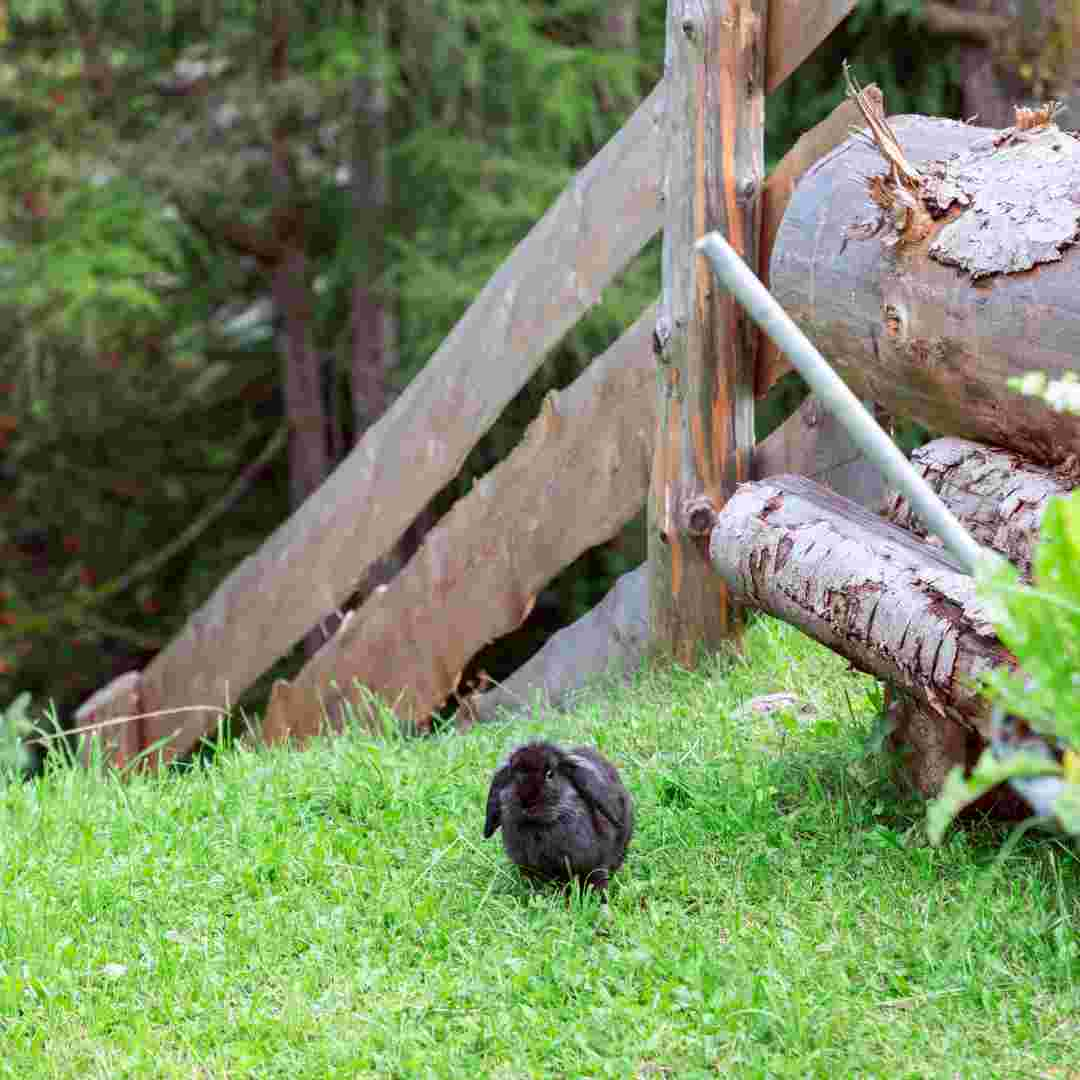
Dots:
(549, 773)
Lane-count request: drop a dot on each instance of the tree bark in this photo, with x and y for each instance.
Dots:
(998, 496)
(302, 364)
(715, 72)
(932, 328)
(895, 607)
(374, 326)
(305, 407)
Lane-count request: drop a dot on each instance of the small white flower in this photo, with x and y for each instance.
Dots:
(1034, 382)
(1064, 395)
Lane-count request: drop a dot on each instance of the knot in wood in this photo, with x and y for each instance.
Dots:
(701, 516)
(661, 335)
(747, 190)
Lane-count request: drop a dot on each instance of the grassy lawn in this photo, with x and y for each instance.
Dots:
(336, 913)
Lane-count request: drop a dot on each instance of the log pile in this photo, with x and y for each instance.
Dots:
(928, 279)
(890, 601)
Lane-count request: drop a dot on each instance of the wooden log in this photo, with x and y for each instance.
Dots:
(998, 495)
(932, 328)
(714, 71)
(796, 29)
(930, 746)
(109, 721)
(895, 607)
(479, 569)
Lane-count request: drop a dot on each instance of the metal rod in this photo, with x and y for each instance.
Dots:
(864, 430)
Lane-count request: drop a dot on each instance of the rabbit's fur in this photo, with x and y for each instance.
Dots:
(564, 813)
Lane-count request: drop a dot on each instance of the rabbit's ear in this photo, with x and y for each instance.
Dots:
(494, 808)
(592, 786)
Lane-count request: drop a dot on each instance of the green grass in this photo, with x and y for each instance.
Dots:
(336, 912)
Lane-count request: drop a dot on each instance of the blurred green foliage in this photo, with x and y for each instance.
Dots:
(138, 366)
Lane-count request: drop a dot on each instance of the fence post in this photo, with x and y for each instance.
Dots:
(705, 344)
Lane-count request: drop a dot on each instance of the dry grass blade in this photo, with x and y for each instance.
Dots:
(873, 109)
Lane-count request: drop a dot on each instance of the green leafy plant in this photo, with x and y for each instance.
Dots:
(1040, 624)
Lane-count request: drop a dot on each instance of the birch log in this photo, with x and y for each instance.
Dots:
(997, 495)
(895, 607)
(932, 328)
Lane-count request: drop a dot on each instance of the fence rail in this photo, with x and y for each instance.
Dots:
(311, 563)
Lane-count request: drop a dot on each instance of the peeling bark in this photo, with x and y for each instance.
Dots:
(999, 497)
(895, 607)
(478, 571)
(920, 338)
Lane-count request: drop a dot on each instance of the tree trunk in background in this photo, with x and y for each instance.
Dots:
(305, 403)
(616, 29)
(305, 407)
(1014, 52)
(374, 327)
(374, 323)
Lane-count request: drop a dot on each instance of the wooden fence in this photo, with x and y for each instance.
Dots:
(312, 562)
(667, 409)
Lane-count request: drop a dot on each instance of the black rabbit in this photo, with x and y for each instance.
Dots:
(564, 813)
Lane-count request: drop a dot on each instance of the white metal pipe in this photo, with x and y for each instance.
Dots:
(864, 430)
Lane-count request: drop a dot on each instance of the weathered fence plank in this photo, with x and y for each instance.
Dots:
(610, 638)
(796, 29)
(715, 72)
(814, 444)
(578, 476)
